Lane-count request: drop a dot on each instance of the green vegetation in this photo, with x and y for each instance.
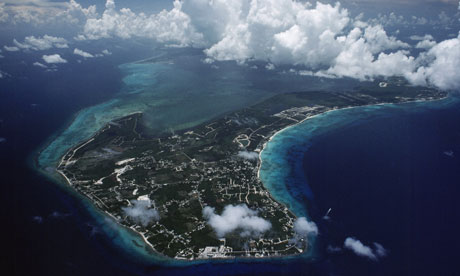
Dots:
(183, 173)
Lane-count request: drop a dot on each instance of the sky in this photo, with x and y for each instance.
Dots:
(418, 39)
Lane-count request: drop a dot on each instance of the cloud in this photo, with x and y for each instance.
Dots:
(443, 61)
(56, 58)
(167, 26)
(3, 13)
(425, 44)
(379, 250)
(303, 229)
(322, 38)
(44, 12)
(420, 38)
(106, 52)
(37, 219)
(11, 49)
(365, 251)
(39, 3)
(41, 43)
(82, 53)
(236, 217)
(359, 248)
(3, 74)
(38, 64)
(2, 140)
(141, 212)
(249, 155)
(270, 66)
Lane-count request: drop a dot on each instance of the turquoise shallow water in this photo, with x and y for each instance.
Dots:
(177, 92)
(168, 104)
(173, 94)
(180, 93)
(171, 98)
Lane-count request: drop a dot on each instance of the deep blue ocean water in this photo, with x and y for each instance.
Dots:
(392, 178)
(382, 170)
(391, 174)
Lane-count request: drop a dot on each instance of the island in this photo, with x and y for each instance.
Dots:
(178, 190)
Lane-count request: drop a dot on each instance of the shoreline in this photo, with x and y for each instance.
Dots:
(171, 261)
(325, 112)
(166, 260)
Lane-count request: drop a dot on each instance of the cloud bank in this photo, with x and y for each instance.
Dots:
(442, 64)
(166, 26)
(322, 38)
(39, 12)
(236, 218)
(365, 251)
(141, 212)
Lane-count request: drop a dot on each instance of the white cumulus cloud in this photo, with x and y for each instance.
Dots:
(56, 58)
(41, 43)
(365, 251)
(323, 38)
(141, 212)
(425, 44)
(443, 61)
(236, 218)
(250, 155)
(303, 229)
(82, 53)
(167, 26)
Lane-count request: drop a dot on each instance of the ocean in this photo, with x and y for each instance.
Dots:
(383, 170)
(389, 173)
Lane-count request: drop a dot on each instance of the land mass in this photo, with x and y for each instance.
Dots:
(214, 165)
